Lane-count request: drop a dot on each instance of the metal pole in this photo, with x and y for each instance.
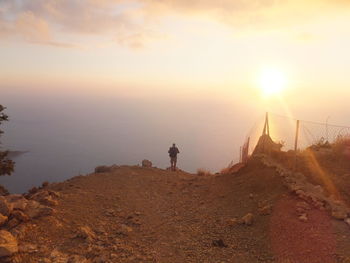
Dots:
(267, 124)
(296, 143)
(327, 134)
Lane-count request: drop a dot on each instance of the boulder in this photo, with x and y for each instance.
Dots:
(8, 244)
(5, 207)
(17, 202)
(146, 163)
(3, 219)
(45, 198)
(21, 216)
(35, 209)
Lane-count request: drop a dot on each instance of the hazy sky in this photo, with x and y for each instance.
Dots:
(136, 48)
(199, 58)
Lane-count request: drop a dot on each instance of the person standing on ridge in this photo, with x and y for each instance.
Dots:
(173, 151)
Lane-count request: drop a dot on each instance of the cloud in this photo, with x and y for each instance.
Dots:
(132, 23)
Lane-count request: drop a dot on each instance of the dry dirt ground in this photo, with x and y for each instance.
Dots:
(139, 214)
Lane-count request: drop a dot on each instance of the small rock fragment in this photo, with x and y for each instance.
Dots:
(266, 210)
(303, 218)
(3, 219)
(219, 243)
(8, 244)
(247, 219)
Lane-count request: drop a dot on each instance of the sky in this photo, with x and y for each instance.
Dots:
(176, 61)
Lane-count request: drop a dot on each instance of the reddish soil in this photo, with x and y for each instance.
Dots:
(152, 215)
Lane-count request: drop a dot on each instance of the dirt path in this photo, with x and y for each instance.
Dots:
(151, 215)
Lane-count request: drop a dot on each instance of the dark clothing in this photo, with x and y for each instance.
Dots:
(173, 151)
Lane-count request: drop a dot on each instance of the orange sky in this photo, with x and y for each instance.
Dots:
(187, 48)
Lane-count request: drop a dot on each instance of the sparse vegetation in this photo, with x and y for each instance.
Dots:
(6, 165)
(203, 172)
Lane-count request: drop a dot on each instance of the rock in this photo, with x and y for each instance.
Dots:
(303, 205)
(3, 219)
(303, 218)
(124, 230)
(266, 210)
(247, 219)
(45, 198)
(77, 259)
(12, 223)
(232, 222)
(20, 204)
(251, 196)
(347, 221)
(8, 244)
(34, 209)
(339, 214)
(103, 169)
(27, 248)
(5, 207)
(58, 257)
(21, 216)
(218, 243)
(146, 163)
(3, 191)
(86, 233)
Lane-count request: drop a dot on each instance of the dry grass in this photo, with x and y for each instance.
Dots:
(203, 172)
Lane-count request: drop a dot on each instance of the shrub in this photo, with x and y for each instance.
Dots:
(203, 172)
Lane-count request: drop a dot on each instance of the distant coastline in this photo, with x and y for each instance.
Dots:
(15, 154)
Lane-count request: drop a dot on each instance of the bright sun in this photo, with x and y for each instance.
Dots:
(272, 82)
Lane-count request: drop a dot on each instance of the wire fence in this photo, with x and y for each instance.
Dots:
(291, 134)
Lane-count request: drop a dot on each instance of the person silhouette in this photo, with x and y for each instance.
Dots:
(173, 151)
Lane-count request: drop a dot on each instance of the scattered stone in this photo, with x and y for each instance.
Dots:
(247, 219)
(146, 163)
(77, 259)
(232, 222)
(219, 243)
(303, 218)
(21, 216)
(86, 233)
(251, 196)
(12, 223)
(266, 210)
(347, 221)
(8, 244)
(5, 207)
(27, 248)
(124, 230)
(303, 205)
(339, 214)
(3, 219)
(58, 257)
(34, 209)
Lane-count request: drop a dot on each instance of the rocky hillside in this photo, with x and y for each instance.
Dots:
(262, 213)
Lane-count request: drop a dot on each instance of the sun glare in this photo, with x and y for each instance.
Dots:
(272, 82)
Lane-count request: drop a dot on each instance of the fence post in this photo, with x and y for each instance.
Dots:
(240, 154)
(296, 144)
